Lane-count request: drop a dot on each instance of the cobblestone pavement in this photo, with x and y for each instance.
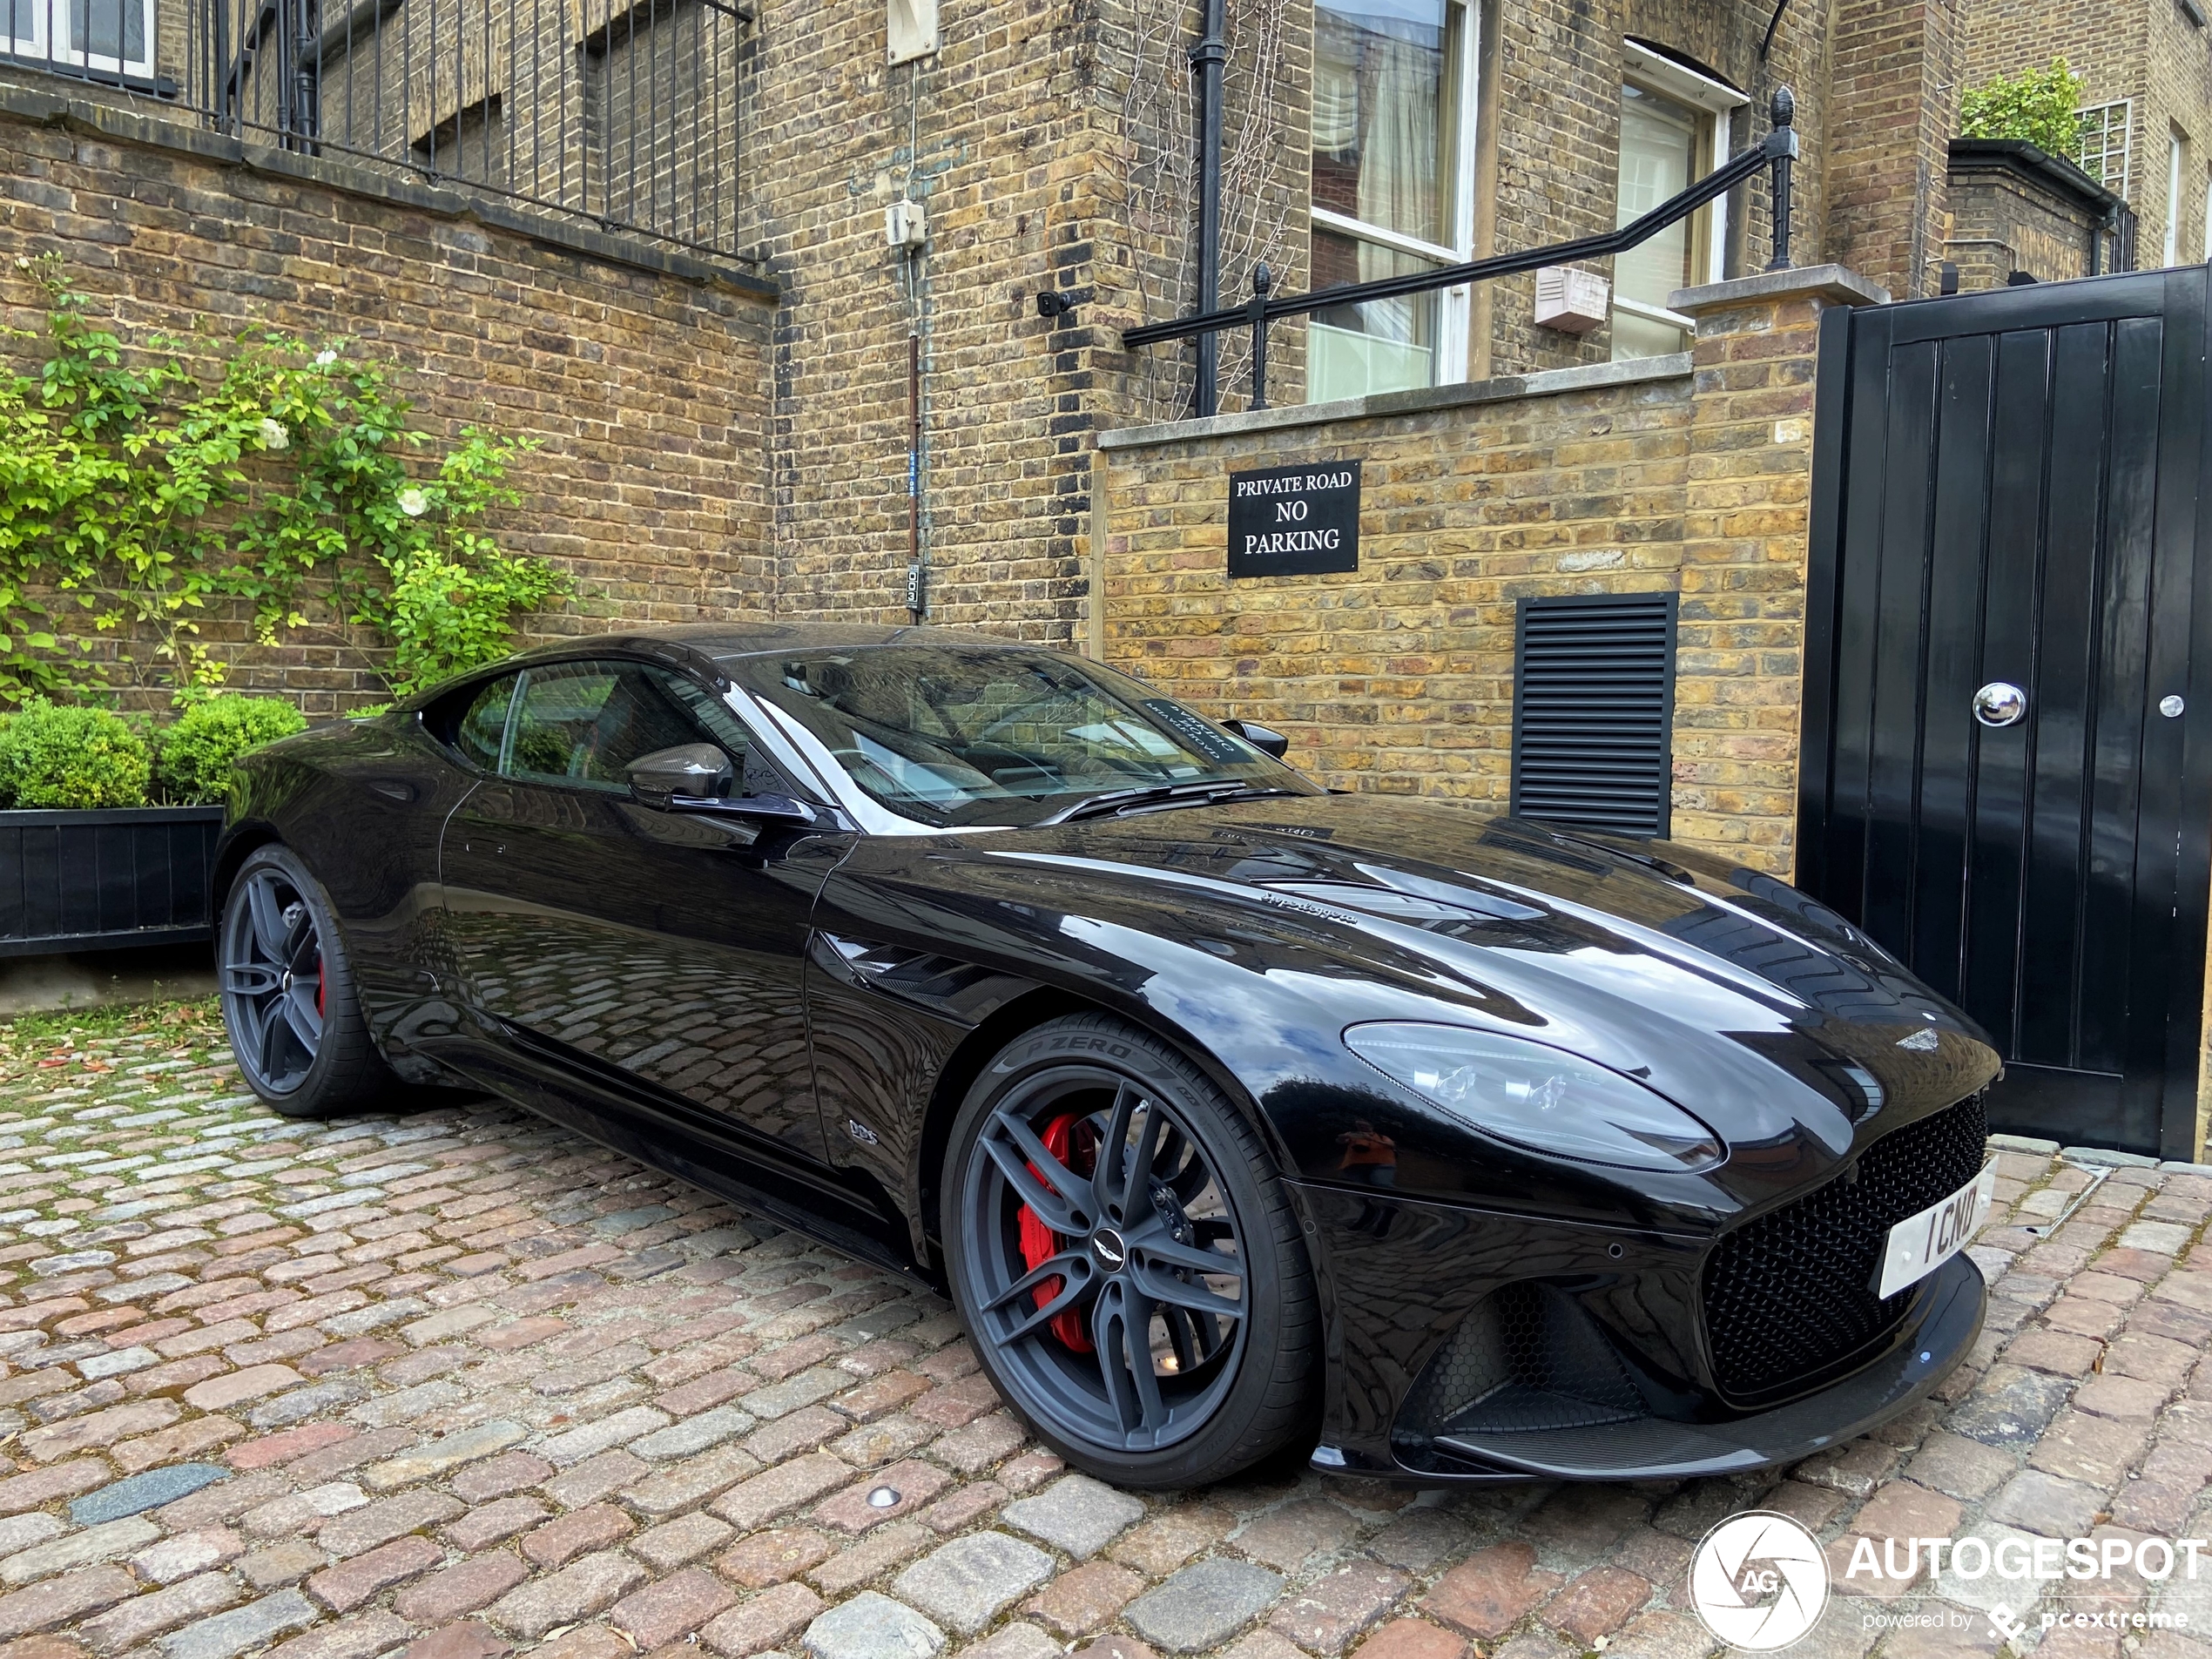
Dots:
(460, 1383)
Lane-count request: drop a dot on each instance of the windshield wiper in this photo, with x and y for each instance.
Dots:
(1118, 800)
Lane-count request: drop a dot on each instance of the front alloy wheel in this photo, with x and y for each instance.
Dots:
(1126, 1261)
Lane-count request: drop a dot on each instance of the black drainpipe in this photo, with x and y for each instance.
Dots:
(1207, 60)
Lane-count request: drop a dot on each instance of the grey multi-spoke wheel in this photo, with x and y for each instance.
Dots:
(1127, 1265)
(288, 994)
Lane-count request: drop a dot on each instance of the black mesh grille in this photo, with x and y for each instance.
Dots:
(1525, 1358)
(1790, 1296)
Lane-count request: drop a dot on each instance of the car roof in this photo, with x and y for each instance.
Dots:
(728, 642)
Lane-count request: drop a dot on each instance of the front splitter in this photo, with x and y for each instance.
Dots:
(1941, 1332)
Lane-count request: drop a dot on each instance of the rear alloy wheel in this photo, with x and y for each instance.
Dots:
(1127, 1265)
(287, 993)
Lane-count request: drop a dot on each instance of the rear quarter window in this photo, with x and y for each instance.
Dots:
(474, 720)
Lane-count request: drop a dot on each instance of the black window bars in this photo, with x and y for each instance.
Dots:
(624, 113)
(1776, 153)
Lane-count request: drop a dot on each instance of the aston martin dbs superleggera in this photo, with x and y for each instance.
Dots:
(1229, 1111)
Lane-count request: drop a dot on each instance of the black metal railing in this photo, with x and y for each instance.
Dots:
(623, 112)
(1776, 154)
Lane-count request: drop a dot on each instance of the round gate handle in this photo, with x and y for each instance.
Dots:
(2000, 703)
(2171, 707)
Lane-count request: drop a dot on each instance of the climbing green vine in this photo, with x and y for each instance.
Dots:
(137, 502)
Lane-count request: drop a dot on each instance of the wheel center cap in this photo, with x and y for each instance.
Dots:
(285, 984)
(1110, 1249)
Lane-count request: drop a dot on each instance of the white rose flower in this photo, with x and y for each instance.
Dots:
(325, 357)
(273, 435)
(414, 502)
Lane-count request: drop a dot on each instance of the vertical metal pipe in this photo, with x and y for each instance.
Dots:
(1206, 60)
(300, 47)
(375, 82)
(432, 54)
(630, 117)
(519, 99)
(917, 601)
(311, 74)
(1784, 148)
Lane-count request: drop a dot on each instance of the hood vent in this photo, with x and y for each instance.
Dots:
(1593, 712)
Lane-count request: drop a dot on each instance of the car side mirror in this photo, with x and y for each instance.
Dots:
(696, 770)
(1267, 739)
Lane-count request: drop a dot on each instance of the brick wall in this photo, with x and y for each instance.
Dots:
(1558, 142)
(998, 136)
(2008, 216)
(1893, 97)
(1050, 146)
(1687, 475)
(645, 378)
(1396, 678)
(2144, 50)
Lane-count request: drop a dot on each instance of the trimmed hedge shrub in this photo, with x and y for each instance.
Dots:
(2040, 105)
(52, 756)
(198, 751)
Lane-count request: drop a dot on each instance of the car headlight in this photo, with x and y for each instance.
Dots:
(1539, 1098)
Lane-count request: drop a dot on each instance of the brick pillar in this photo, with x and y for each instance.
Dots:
(1739, 640)
(1892, 110)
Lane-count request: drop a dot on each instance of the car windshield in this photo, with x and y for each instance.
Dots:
(953, 735)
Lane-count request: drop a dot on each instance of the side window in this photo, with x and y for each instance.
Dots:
(483, 722)
(581, 724)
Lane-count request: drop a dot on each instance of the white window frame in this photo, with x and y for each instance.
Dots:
(2127, 108)
(2177, 146)
(1718, 101)
(1455, 306)
(33, 44)
(49, 40)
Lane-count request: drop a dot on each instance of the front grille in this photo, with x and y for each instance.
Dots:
(1790, 1296)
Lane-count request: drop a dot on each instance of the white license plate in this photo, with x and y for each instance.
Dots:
(1920, 1244)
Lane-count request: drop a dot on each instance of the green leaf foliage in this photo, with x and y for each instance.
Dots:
(199, 750)
(55, 756)
(142, 484)
(2040, 105)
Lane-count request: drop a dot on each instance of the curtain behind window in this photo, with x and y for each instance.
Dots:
(1378, 138)
(1401, 171)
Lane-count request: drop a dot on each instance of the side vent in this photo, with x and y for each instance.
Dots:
(1592, 710)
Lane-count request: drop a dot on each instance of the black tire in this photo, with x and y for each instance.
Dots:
(289, 1001)
(1225, 1391)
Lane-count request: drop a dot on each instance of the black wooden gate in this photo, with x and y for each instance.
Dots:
(2007, 757)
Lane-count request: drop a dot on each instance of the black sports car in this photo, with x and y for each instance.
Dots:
(1230, 1111)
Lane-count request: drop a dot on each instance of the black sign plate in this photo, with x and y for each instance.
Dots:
(1295, 521)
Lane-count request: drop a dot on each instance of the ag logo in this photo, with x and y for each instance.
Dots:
(1759, 1581)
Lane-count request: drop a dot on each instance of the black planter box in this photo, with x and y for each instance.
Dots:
(104, 880)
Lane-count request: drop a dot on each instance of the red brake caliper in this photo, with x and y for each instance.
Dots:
(1040, 1244)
